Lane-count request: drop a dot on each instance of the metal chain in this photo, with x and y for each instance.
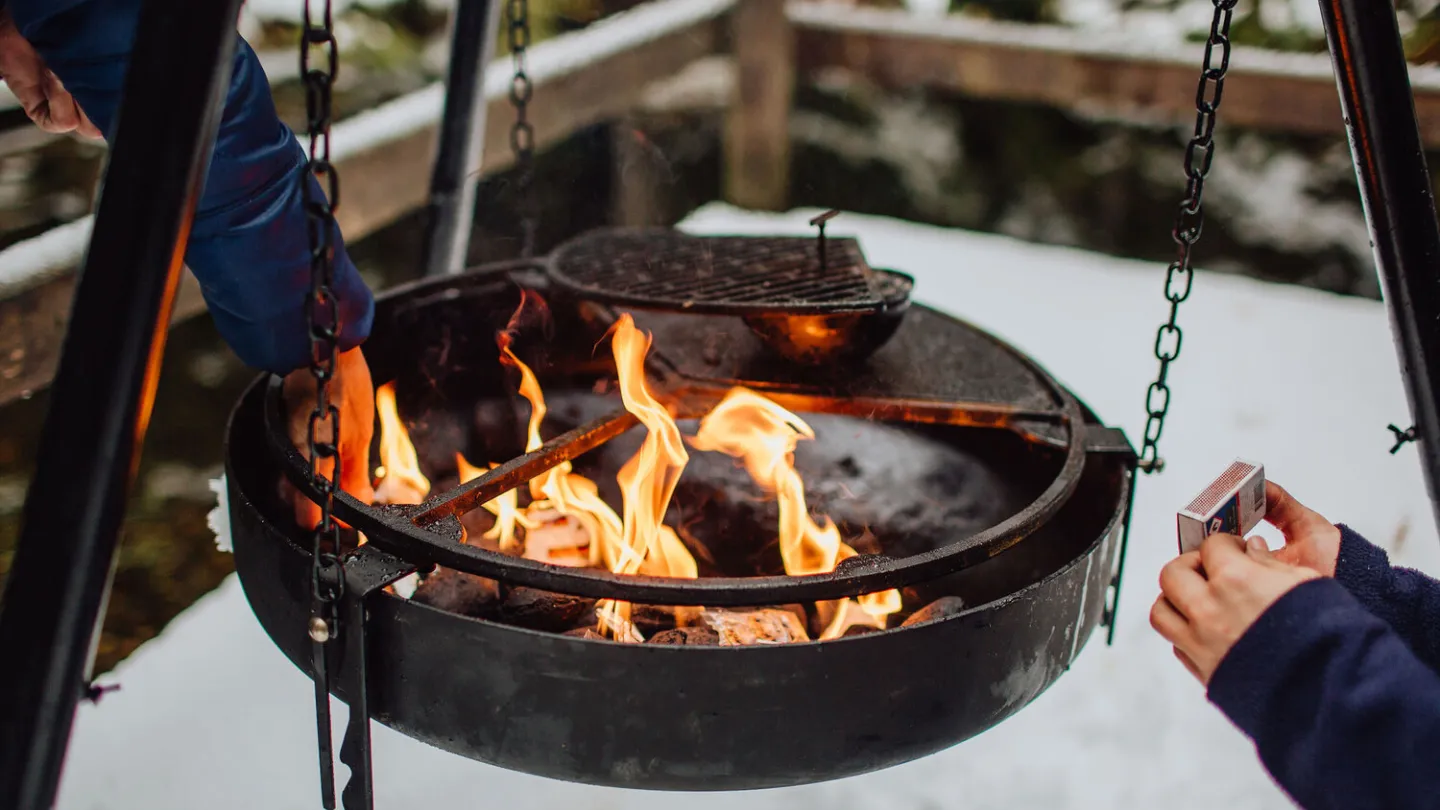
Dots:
(1189, 221)
(522, 133)
(327, 574)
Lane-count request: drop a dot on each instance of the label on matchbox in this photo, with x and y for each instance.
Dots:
(1233, 504)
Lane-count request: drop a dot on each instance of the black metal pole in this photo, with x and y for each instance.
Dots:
(1371, 70)
(103, 390)
(451, 211)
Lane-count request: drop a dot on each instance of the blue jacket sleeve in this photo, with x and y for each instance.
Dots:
(1343, 715)
(249, 244)
(1407, 600)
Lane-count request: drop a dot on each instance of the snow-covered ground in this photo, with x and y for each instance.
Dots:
(211, 714)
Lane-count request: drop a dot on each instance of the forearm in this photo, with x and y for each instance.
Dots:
(1343, 715)
(1406, 600)
(249, 242)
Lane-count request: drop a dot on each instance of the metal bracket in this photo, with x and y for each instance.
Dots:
(367, 570)
(1101, 439)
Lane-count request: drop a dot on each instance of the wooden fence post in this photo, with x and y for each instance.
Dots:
(757, 125)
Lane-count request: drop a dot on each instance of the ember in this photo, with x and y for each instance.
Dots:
(566, 522)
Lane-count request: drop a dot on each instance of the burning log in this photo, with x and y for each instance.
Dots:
(478, 524)
(942, 608)
(584, 632)
(687, 636)
(557, 539)
(886, 488)
(544, 610)
(459, 592)
(653, 619)
(763, 626)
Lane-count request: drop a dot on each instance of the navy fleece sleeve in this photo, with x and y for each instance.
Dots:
(249, 244)
(1343, 715)
(1407, 600)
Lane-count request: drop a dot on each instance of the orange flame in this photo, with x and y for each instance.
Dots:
(744, 425)
(639, 542)
(560, 489)
(647, 482)
(401, 481)
(764, 436)
(505, 508)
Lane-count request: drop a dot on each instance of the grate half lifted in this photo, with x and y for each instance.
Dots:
(721, 275)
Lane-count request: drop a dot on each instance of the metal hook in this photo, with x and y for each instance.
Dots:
(819, 222)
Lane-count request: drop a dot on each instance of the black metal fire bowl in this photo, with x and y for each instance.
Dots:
(711, 718)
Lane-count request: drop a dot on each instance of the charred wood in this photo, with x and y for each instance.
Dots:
(942, 608)
(687, 636)
(543, 610)
(459, 592)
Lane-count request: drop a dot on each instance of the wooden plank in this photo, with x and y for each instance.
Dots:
(757, 125)
(1082, 71)
(382, 183)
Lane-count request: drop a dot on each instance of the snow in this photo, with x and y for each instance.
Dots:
(212, 715)
(53, 253)
(218, 521)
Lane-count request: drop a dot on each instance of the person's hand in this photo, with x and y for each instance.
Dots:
(1209, 598)
(353, 394)
(38, 90)
(1310, 539)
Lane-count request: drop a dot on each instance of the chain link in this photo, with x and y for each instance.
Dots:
(327, 580)
(522, 133)
(1189, 222)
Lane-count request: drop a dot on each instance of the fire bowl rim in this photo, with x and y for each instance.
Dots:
(477, 715)
(297, 541)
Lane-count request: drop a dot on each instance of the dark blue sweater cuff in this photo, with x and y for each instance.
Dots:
(1363, 568)
(1265, 658)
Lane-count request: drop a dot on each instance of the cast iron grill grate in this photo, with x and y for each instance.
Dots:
(727, 275)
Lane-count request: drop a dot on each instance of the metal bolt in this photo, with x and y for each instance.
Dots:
(95, 691)
(319, 630)
(1403, 437)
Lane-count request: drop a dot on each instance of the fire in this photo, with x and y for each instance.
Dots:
(505, 508)
(764, 435)
(401, 481)
(638, 542)
(560, 489)
(566, 522)
(647, 481)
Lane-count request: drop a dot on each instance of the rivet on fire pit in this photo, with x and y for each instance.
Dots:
(860, 563)
(319, 630)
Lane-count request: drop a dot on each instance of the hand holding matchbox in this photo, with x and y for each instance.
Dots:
(1233, 504)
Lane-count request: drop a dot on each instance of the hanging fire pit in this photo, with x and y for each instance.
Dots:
(701, 561)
